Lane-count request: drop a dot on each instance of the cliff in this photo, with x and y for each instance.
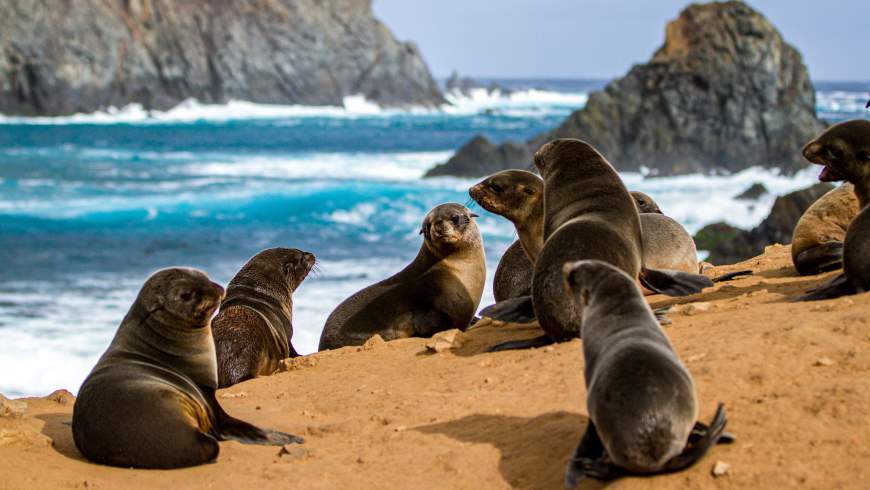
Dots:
(723, 93)
(84, 55)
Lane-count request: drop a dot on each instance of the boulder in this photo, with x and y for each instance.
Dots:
(93, 54)
(752, 193)
(724, 93)
(728, 245)
(481, 157)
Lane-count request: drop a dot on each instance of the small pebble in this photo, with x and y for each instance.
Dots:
(824, 361)
(720, 468)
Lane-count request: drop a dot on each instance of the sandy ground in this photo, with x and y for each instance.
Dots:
(793, 376)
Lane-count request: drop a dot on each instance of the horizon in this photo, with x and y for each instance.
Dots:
(449, 37)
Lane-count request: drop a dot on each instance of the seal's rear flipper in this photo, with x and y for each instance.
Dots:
(696, 449)
(839, 286)
(823, 258)
(732, 275)
(590, 449)
(662, 315)
(229, 428)
(514, 310)
(673, 283)
(541, 341)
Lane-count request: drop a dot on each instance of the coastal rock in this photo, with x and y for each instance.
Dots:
(728, 244)
(481, 157)
(12, 409)
(93, 54)
(457, 84)
(725, 92)
(754, 191)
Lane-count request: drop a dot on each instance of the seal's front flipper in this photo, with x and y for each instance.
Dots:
(839, 286)
(514, 310)
(825, 257)
(662, 315)
(602, 469)
(541, 341)
(673, 283)
(696, 449)
(700, 431)
(229, 428)
(590, 448)
(732, 275)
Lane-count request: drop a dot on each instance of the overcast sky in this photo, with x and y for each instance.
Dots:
(603, 38)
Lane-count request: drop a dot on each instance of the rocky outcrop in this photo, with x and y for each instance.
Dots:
(480, 157)
(753, 192)
(84, 55)
(728, 244)
(465, 85)
(725, 92)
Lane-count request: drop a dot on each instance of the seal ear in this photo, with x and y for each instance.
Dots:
(473, 215)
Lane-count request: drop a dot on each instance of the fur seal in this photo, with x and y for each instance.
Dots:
(513, 275)
(588, 214)
(817, 242)
(150, 400)
(640, 398)
(518, 196)
(253, 329)
(844, 152)
(645, 203)
(439, 290)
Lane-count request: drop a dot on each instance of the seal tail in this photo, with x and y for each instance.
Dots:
(673, 283)
(701, 441)
(514, 310)
(826, 257)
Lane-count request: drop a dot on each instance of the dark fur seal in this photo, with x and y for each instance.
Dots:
(640, 398)
(588, 214)
(253, 329)
(844, 151)
(150, 400)
(517, 195)
(439, 290)
(817, 241)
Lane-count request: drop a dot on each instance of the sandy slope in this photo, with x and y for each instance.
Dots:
(794, 378)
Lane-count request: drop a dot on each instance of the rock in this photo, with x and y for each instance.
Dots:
(824, 361)
(292, 452)
(691, 309)
(444, 341)
(12, 409)
(23, 435)
(728, 245)
(373, 342)
(481, 157)
(754, 191)
(240, 394)
(62, 397)
(724, 93)
(720, 468)
(294, 363)
(158, 53)
(465, 85)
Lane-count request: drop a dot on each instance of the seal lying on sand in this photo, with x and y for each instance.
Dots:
(518, 196)
(817, 242)
(844, 151)
(439, 290)
(149, 402)
(588, 214)
(253, 329)
(640, 398)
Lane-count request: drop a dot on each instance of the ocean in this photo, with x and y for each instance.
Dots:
(91, 204)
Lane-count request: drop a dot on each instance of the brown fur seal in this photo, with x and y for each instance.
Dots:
(640, 398)
(513, 275)
(517, 195)
(439, 290)
(817, 242)
(253, 329)
(588, 214)
(149, 402)
(645, 203)
(844, 151)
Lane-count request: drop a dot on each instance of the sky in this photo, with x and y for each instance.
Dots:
(603, 38)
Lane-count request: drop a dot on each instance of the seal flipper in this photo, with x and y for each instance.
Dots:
(541, 341)
(514, 310)
(673, 283)
(698, 448)
(229, 428)
(839, 286)
(590, 448)
(823, 258)
(732, 275)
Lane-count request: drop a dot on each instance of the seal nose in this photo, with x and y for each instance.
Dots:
(219, 289)
(308, 259)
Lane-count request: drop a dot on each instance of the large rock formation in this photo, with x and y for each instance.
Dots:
(480, 157)
(83, 55)
(725, 92)
(728, 244)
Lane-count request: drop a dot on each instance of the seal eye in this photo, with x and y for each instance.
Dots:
(863, 155)
(495, 187)
(186, 296)
(456, 219)
(833, 153)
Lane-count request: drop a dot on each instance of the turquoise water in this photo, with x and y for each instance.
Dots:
(90, 205)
